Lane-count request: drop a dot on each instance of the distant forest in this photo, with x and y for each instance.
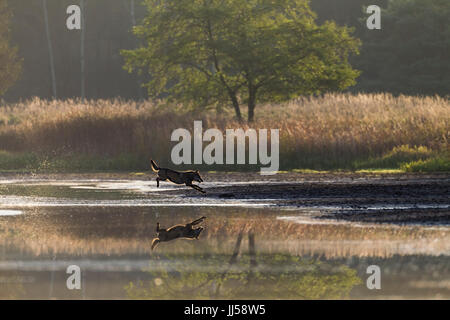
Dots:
(109, 29)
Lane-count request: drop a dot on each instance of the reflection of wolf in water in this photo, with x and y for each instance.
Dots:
(179, 231)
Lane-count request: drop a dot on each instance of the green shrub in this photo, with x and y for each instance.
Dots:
(397, 157)
(438, 164)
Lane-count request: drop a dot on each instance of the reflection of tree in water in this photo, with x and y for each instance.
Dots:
(11, 285)
(11, 282)
(276, 276)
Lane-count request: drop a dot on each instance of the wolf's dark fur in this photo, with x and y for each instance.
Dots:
(178, 177)
(179, 231)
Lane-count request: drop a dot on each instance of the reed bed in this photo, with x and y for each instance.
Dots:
(333, 131)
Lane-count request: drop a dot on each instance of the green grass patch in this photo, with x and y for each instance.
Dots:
(32, 162)
(17, 161)
(380, 171)
(438, 164)
(309, 171)
(398, 160)
(395, 158)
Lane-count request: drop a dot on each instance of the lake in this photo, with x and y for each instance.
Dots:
(290, 238)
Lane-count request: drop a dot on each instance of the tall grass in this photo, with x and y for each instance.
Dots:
(334, 131)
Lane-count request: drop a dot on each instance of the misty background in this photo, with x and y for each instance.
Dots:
(108, 29)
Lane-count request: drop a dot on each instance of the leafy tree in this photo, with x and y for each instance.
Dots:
(345, 12)
(411, 52)
(10, 65)
(211, 52)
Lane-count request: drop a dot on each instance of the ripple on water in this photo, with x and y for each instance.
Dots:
(10, 212)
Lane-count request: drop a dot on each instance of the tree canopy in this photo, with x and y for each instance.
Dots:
(10, 65)
(211, 52)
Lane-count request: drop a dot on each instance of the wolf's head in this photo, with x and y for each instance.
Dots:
(197, 177)
(193, 233)
(197, 232)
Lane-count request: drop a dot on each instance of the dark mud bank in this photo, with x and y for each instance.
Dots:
(380, 201)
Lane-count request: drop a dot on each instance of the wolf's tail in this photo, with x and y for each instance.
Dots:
(154, 166)
(155, 243)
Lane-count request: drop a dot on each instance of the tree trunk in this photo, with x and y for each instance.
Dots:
(82, 58)
(133, 22)
(251, 113)
(252, 252)
(236, 107)
(50, 49)
(232, 261)
(251, 104)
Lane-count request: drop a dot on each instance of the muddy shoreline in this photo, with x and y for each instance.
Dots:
(232, 176)
(396, 200)
(422, 199)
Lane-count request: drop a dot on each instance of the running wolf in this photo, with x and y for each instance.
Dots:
(178, 177)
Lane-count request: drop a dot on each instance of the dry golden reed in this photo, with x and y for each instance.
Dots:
(330, 131)
(42, 234)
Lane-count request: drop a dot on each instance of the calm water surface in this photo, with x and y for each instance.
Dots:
(248, 249)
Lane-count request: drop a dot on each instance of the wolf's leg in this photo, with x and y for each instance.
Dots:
(196, 188)
(198, 221)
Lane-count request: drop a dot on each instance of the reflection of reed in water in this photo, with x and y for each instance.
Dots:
(275, 276)
(12, 284)
(115, 232)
